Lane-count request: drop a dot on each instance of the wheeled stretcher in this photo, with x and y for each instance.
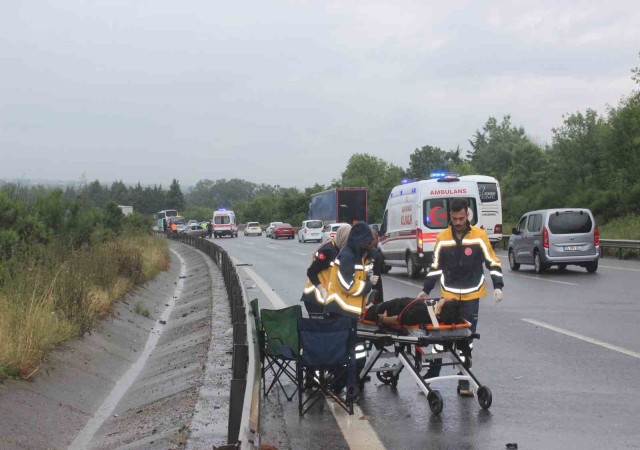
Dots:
(392, 349)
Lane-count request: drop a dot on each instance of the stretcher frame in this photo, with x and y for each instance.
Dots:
(411, 347)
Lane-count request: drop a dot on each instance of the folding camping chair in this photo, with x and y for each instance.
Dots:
(328, 345)
(281, 347)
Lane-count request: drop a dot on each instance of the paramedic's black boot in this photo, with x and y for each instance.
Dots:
(464, 389)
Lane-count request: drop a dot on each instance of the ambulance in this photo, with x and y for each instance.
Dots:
(224, 223)
(417, 211)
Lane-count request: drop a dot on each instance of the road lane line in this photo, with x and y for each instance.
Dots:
(296, 253)
(546, 279)
(356, 429)
(84, 438)
(275, 299)
(403, 282)
(619, 268)
(584, 338)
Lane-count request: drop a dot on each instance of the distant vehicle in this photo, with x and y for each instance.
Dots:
(329, 231)
(269, 232)
(194, 230)
(417, 211)
(283, 230)
(340, 205)
(164, 214)
(310, 230)
(192, 222)
(375, 226)
(555, 237)
(224, 223)
(126, 210)
(253, 229)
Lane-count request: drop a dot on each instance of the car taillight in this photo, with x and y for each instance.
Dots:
(497, 229)
(545, 237)
(419, 235)
(596, 237)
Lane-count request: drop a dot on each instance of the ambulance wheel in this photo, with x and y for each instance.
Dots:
(435, 401)
(484, 397)
(413, 269)
(386, 377)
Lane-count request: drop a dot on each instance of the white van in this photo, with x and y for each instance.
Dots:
(417, 211)
(224, 223)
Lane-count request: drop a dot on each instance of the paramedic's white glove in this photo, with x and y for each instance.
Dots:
(497, 296)
(422, 295)
(323, 292)
(373, 279)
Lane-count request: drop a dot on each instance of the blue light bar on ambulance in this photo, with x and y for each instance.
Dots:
(407, 180)
(438, 174)
(221, 209)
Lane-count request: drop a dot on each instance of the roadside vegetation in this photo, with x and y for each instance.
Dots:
(62, 267)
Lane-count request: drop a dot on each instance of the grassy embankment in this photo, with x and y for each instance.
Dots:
(53, 294)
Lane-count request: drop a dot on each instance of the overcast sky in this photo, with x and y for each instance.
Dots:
(283, 92)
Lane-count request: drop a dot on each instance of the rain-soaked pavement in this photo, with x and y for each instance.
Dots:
(561, 355)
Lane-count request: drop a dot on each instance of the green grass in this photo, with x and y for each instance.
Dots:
(49, 294)
(142, 310)
(625, 227)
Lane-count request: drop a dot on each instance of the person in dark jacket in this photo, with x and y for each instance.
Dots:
(460, 252)
(350, 281)
(315, 291)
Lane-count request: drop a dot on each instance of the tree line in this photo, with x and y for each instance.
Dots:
(591, 162)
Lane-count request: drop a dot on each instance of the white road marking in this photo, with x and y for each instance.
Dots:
(120, 388)
(546, 279)
(619, 268)
(356, 429)
(584, 338)
(296, 253)
(275, 299)
(403, 282)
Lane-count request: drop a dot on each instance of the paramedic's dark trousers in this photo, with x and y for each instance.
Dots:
(469, 311)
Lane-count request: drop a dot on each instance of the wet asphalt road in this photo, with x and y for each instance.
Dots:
(561, 355)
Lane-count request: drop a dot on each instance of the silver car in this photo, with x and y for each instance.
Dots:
(555, 237)
(194, 230)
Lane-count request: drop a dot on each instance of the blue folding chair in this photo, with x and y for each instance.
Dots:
(327, 346)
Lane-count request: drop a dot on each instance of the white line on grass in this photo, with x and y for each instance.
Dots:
(584, 338)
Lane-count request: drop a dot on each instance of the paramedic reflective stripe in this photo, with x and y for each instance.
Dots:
(356, 267)
(485, 250)
(495, 273)
(344, 305)
(462, 291)
(434, 273)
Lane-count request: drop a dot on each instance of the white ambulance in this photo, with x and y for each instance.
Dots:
(224, 223)
(418, 210)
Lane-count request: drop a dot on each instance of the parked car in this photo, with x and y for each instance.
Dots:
(283, 230)
(329, 231)
(252, 229)
(555, 237)
(192, 222)
(310, 230)
(269, 232)
(194, 230)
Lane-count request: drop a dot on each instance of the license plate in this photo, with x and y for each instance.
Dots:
(573, 248)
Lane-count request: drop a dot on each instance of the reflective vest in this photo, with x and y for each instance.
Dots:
(347, 289)
(458, 265)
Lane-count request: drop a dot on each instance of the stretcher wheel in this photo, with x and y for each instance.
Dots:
(484, 397)
(386, 377)
(435, 401)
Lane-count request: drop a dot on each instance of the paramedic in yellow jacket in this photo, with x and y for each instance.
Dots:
(318, 273)
(349, 281)
(459, 255)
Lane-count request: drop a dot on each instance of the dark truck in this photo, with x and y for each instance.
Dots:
(340, 205)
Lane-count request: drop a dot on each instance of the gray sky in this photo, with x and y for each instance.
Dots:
(283, 92)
